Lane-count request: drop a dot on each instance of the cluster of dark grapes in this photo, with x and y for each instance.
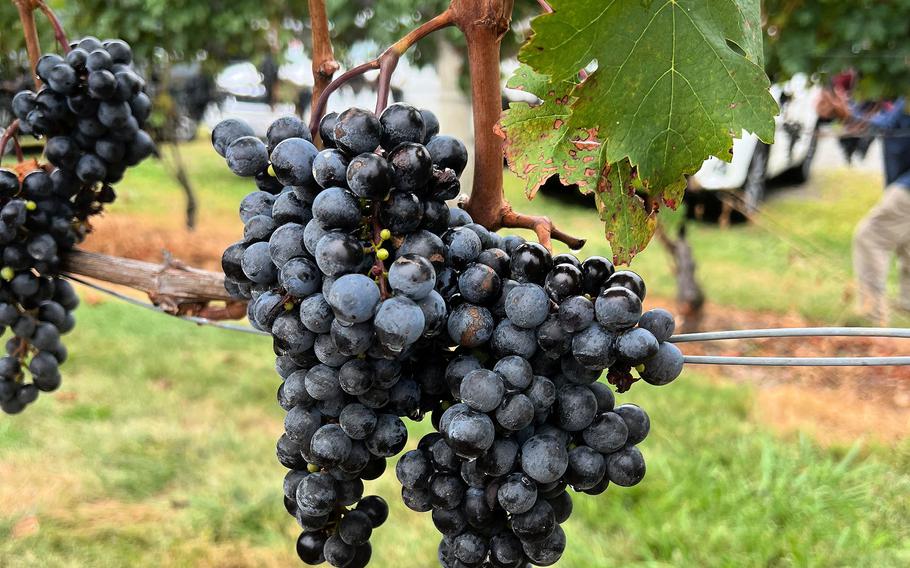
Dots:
(531, 419)
(91, 112)
(384, 302)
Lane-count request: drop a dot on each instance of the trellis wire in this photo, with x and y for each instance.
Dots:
(792, 332)
(682, 338)
(798, 361)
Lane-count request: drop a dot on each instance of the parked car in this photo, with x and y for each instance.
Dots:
(754, 162)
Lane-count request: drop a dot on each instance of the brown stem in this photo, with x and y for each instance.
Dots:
(390, 57)
(10, 133)
(173, 286)
(378, 264)
(59, 33)
(483, 25)
(324, 64)
(690, 296)
(387, 66)
(541, 225)
(27, 17)
(178, 170)
(320, 104)
(545, 6)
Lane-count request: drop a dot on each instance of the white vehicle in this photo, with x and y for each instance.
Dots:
(754, 162)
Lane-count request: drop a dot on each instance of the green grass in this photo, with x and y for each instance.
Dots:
(158, 449)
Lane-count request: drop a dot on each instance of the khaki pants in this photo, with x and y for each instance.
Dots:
(885, 230)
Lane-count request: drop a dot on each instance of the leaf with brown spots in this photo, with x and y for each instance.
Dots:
(628, 220)
(536, 136)
(674, 82)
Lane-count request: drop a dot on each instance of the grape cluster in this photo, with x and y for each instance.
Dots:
(383, 302)
(91, 111)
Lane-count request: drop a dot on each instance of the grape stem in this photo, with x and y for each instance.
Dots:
(27, 16)
(11, 133)
(386, 64)
(541, 225)
(378, 264)
(324, 64)
(59, 33)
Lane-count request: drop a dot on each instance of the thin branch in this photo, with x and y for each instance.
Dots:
(11, 132)
(59, 33)
(545, 6)
(542, 226)
(390, 57)
(378, 264)
(197, 319)
(27, 17)
(177, 288)
(387, 66)
(320, 104)
(324, 64)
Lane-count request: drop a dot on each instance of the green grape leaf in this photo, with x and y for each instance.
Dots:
(675, 82)
(628, 223)
(536, 136)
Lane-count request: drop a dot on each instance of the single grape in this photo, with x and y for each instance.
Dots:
(246, 156)
(369, 176)
(412, 167)
(354, 298)
(637, 422)
(292, 160)
(413, 276)
(357, 131)
(626, 467)
(663, 367)
(401, 123)
(617, 308)
(448, 152)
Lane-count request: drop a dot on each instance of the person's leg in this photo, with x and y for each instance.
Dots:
(881, 232)
(903, 259)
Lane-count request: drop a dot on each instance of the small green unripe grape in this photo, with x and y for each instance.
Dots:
(312, 468)
(271, 171)
(31, 205)
(640, 368)
(385, 234)
(7, 273)
(288, 306)
(382, 254)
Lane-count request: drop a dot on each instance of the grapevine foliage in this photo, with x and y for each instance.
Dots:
(674, 83)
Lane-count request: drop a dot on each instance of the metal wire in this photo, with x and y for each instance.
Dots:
(149, 306)
(682, 338)
(792, 332)
(798, 361)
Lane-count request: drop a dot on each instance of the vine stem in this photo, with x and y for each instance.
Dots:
(27, 16)
(388, 60)
(484, 23)
(378, 264)
(324, 64)
(11, 133)
(59, 33)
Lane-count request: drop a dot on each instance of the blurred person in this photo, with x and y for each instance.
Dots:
(885, 230)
